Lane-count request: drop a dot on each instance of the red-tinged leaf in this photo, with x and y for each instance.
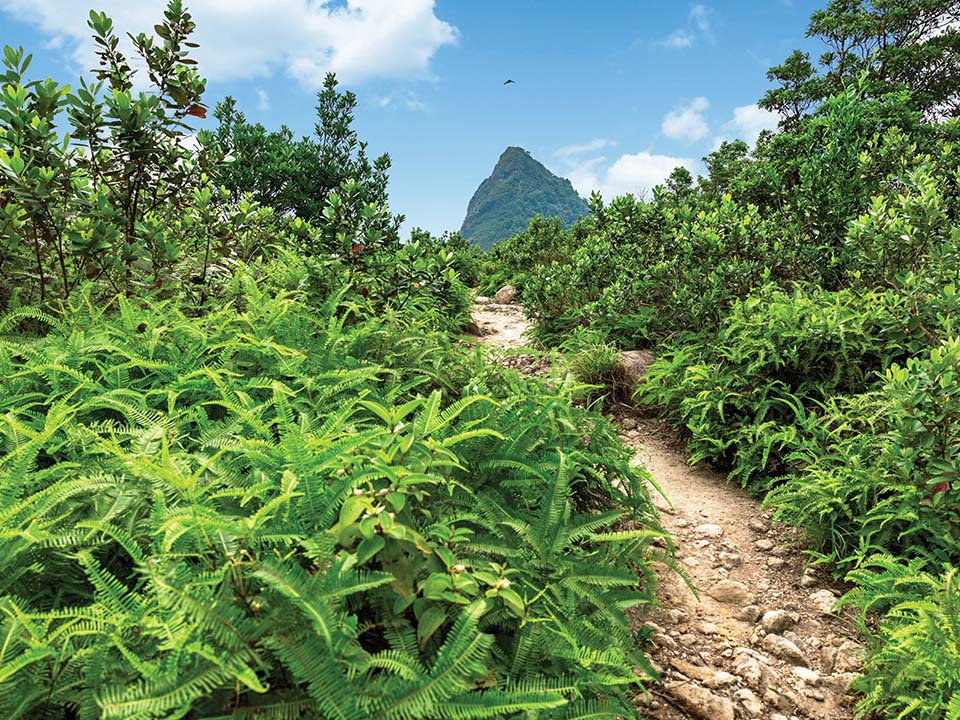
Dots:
(941, 488)
(364, 292)
(197, 111)
(357, 248)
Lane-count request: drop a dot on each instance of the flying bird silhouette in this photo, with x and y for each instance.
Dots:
(507, 82)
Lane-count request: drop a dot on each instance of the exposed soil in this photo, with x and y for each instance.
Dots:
(760, 641)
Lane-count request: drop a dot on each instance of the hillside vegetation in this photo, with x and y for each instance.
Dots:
(250, 469)
(246, 470)
(802, 302)
(518, 190)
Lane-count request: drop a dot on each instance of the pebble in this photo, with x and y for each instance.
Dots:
(775, 563)
(784, 648)
(709, 531)
(700, 703)
(766, 544)
(674, 616)
(849, 657)
(731, 592)
(757, 525)
(750, 614)
(663, 640)
(810, 677)
(730, 560)
(776, 621)
(751, 703)
(822, 601)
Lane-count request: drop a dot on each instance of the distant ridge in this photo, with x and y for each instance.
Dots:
(518, 189)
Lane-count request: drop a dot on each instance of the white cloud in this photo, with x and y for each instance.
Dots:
(687, 122)
(747, 124)
(595, 145)
(414, 103)
(698, 26)
(701, 17)
(639, 173)
(263, 99)
(678, 39)
(357, 39)
(635, 173)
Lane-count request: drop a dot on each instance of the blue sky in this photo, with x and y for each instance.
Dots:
(612, 94)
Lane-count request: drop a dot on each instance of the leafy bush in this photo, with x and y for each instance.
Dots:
(108, 213)
(247, 514)
(596, 363)
(883, 475)
(914, 670)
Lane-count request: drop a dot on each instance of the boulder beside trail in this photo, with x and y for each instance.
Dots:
(635, 364)
(506, 294)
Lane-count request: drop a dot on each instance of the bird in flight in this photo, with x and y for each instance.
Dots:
(507, 82)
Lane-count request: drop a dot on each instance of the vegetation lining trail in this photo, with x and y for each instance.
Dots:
(758, 642)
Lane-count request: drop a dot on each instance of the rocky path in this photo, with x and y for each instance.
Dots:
(760, 642)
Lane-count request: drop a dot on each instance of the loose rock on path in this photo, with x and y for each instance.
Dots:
(760, 641)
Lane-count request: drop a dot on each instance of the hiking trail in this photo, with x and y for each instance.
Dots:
(761, 641)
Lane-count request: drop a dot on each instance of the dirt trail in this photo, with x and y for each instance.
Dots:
(760, 642)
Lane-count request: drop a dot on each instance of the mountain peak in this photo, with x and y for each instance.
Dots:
(518, 189)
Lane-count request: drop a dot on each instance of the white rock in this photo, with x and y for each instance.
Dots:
(751, 703)
(810, 677)
(506, 294)
(823, 601)
(709, 531)
(776, 621)
(731, 592)
(785, 649)
(699, 702)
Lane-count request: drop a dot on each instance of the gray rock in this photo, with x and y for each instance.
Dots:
(766, 544)
(481, 300)
(810, 677)
(720, 679)
(635, 364)
(777, 621)
(699, 702)
(775, 563)
(754, 673)
(730, 560)
(663, 640)
(506, 294)
(839, 682)
(750, 614)
(731, 592)
(709, 531)
(674, 616)
(849, 657)
(750, 702)
(757, 525)
(784, 649)
(823, 601)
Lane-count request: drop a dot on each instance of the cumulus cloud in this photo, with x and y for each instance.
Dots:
(636, 173)
(698, 26)
(747, 123)
(687, 122)
(357, 39)
(263, 99)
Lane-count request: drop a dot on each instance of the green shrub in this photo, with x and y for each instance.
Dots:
(274, 511)
(914, 670)
(596, 363)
